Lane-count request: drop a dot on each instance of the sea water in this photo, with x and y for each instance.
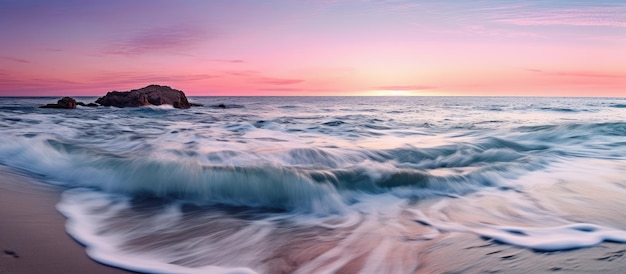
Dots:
(324, 184)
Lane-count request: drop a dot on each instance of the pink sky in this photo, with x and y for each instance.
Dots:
(70, 47)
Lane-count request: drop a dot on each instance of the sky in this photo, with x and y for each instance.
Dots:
(314, 48)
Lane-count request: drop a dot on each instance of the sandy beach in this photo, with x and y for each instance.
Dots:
(32, 233)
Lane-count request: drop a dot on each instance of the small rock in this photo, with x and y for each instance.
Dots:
(65, 102)
(11, 253)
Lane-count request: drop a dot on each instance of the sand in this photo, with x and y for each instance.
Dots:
(32, 232)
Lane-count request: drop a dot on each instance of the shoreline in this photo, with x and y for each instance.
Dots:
(33, 240)
(32, 233)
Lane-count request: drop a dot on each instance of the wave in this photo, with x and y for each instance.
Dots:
(376, 235)
(299, 179)
(560, 109)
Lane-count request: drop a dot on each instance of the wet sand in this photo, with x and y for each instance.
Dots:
(32, 232)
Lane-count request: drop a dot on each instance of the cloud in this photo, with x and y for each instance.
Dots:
(534, 70)
(589, 74)
(24, 85)
(280, 89)
(241, 73)
(405, 87)
(579, 74)
(253, 76)
(278, 81)
(396, 6)
(105, 81)
(14, 59)
(496, 32)
(172, 39)
(610, 16)
(232, 61)
(129, 78)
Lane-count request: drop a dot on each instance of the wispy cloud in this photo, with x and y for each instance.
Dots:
(417, 87)
(611, 16)
(172, 39)
(396, 6)
(105, 81)
(231, 61)
(14, 59)
(296, 91)
(579, 74)
(125, 78)
(14, 83)
(278, 81)
(240, 73)
(256, 77)
(280, 89)
(491, 31)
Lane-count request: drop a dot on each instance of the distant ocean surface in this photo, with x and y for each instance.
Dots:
(325, 184)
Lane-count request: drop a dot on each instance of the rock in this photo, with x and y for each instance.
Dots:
(150, 95)
(196, 105)
(221, 106)
(11, 253)
(87, 105)
(65, 102)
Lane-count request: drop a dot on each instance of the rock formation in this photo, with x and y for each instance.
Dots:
(150, 95)
(87, 105)
(65, 102)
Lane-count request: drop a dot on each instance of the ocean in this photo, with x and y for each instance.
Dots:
(334, 184)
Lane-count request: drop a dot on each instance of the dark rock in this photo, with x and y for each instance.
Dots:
(11, 253)
(196, 105)
(87, 105)
(65, 102)
(150, 95)
(221, 106)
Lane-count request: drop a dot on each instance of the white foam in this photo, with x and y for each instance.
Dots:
(103, 248)
(565, 237)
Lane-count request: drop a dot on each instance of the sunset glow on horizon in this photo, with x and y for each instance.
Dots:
(314, 48)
